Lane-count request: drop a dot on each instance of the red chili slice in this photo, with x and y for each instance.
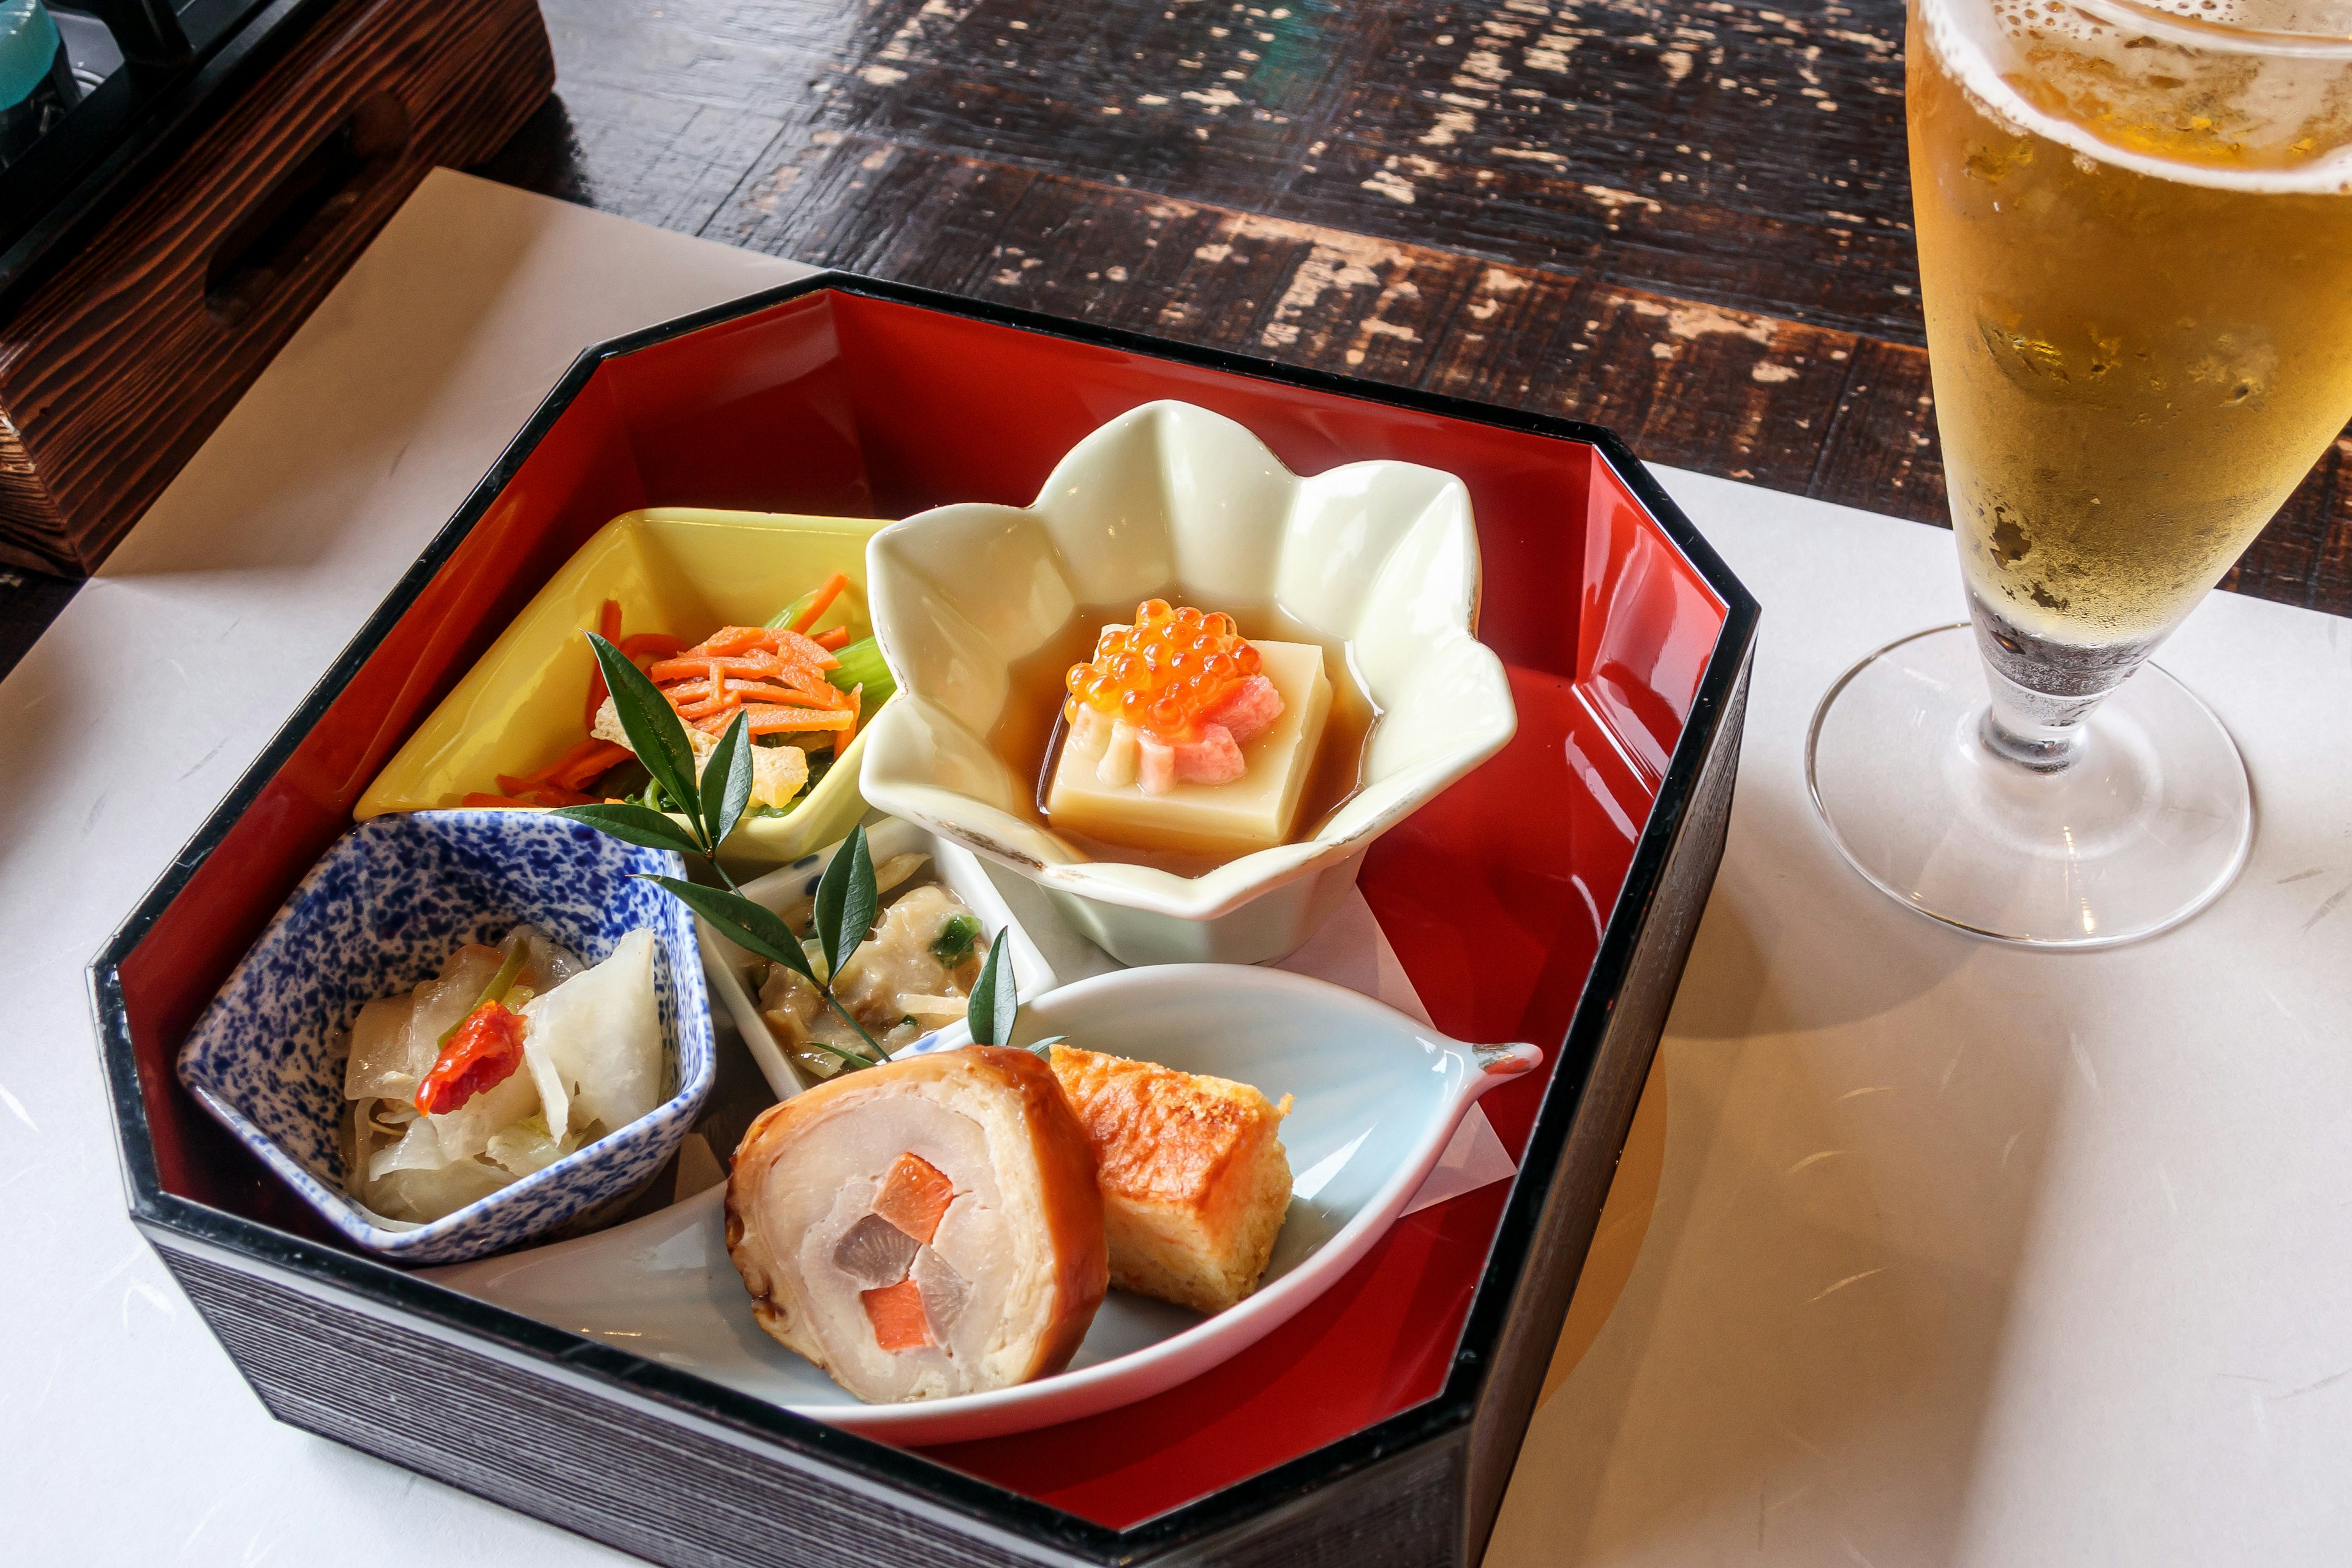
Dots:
(483, 1054)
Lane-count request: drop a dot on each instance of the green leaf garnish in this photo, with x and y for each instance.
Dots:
(995, 1001)
(846, 901)
(655, 732)
(959, 934)
(730, 770)
(748, 924)
(1044, 1049)
(633, 822)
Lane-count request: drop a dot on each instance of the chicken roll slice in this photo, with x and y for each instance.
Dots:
(924, 1229)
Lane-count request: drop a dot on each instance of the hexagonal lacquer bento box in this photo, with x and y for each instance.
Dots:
(1549, 896)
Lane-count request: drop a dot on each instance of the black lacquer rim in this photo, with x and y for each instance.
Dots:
(932, 1486)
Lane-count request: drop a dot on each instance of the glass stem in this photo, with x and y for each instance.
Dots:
(2041, 690)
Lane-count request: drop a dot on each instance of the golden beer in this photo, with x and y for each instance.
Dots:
(2136, 256)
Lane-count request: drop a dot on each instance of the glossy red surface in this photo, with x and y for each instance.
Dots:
(1494, 895)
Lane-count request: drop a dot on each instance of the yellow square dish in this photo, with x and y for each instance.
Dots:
(672, 569)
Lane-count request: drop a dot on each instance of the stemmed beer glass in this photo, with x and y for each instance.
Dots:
(2135, 232)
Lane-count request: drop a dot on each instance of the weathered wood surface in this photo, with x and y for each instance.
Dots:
(115, 368)
(1688, 219)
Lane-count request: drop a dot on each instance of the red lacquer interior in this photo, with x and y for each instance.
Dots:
(1494, 896)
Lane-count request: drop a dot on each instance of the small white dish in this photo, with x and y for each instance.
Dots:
(726, 966)
(1377, 1096)
(1167, 497)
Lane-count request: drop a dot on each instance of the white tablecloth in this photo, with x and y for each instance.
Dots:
(1925, 1251)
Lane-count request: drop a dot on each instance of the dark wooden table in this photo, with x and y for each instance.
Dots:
(1686, 219)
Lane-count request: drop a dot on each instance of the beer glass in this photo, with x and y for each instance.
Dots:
(2134, 237)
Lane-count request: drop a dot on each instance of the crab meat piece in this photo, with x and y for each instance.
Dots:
(1248, 710)
(1214, 758)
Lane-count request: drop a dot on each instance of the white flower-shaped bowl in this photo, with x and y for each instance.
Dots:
(1172, 501)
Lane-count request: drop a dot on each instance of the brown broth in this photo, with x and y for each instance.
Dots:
(1028, 734)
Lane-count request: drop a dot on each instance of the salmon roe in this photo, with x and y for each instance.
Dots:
(1164, 672)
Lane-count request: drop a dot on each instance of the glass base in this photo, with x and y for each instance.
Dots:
(2149, 823)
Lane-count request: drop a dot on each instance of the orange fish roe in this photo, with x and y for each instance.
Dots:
(1165, 671)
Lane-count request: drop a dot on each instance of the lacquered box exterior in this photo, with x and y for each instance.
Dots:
(1552, 896)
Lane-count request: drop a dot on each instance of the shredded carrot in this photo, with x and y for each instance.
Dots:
(477, 798)
(806, 692)
(794, 648)
(820, 601)
(768, 720)
(542, 793)
(849, 733)
(694, 665)
(579, 773)
(776, 676)
(570, 760)
(731, 639)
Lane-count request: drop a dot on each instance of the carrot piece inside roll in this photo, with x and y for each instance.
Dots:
(913, 1197)
(897, 1313)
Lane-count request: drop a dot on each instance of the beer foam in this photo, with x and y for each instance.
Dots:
(2270, 80)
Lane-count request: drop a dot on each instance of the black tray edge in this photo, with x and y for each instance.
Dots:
(977, 1508)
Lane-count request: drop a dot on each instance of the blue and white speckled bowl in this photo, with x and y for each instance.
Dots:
(391, 900)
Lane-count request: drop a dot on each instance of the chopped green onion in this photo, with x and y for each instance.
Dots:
(959, 934)
(862, 665)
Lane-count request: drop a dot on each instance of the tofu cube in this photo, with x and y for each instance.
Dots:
(1255, 811)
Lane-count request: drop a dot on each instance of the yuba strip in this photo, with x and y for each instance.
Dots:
(913, 1197)
(897, 1313)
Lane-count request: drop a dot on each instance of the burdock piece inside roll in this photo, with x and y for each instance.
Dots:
(928, 1227)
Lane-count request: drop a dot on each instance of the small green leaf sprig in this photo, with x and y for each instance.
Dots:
(847, 898)
(710, 807)
(995, 1003)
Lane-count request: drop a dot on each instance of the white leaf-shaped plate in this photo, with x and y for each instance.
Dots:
(1377, 1097)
